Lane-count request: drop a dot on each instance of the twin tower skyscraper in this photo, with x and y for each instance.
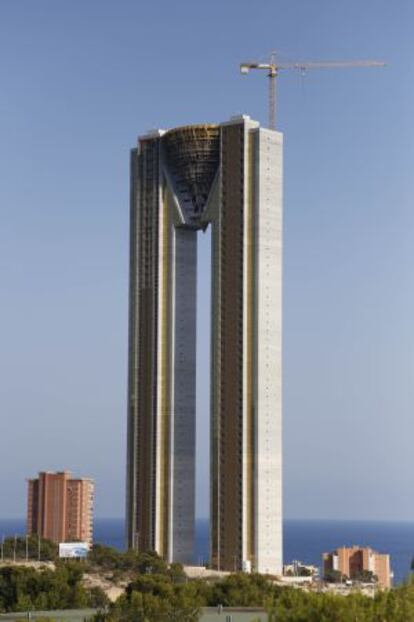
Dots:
(228, 176)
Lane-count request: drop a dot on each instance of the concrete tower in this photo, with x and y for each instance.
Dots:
(60, 507)
(182, 180)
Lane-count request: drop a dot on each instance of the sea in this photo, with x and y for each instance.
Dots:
(303, 540)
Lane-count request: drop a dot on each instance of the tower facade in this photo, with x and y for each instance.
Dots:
(60, 507)
(228, 176)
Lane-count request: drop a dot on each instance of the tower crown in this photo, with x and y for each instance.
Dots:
(192, 157)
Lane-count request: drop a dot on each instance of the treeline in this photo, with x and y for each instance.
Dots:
(159, 598)
(27, 589)
(158, 592)
(294, 605)
(107, 558)
(31, 547)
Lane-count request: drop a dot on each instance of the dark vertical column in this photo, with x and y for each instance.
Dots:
(42, 522)
(32, 506)
(215, 395)
(142, 384)
(132, 352)
(228, 352)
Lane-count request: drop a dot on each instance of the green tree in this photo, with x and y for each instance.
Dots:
(158, 597)
(335, 576)
(28, 588)
(16, 547)
(97, 598)
(365, 576)
(241, 590)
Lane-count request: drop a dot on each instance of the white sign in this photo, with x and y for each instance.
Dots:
(73, 549)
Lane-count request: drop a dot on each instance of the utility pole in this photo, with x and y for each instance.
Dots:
(27, 548)
(273, 67)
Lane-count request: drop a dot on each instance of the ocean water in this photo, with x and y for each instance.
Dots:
(304, 540)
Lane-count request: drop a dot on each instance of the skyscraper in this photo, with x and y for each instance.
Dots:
(228, 176)
(60, 508)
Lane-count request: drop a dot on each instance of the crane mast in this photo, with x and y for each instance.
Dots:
(273, 67)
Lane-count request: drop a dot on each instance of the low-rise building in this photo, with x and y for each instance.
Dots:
(358, 563)
(299, 569)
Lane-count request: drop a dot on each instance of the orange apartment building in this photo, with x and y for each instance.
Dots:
(60, 508)
(351, 561)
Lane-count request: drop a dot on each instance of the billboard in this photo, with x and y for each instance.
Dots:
(73, 549)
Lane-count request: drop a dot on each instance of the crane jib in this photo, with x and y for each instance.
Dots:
(273, 68)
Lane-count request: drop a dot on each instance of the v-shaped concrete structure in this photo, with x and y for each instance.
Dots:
(182, 180)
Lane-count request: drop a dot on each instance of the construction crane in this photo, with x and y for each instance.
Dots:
(273, 67)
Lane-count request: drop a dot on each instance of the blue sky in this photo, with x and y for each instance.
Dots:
(79, 81)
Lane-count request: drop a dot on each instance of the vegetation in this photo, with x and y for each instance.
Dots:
(335, 576)
(241, 590)
(158, 592)
(302, 571)
(154, 597)
(25, 589)
(365, 576)
(15, 548)
(108, 558)
(293, 605)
